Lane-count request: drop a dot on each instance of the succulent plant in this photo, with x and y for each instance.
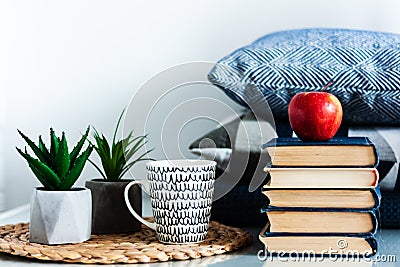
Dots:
(115, 160)
(56, 168)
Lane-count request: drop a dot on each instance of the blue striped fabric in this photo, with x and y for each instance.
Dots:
(364, 65)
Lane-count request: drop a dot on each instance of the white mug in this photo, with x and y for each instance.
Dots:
(181, 193)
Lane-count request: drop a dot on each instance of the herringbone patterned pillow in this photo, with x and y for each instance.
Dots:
(364, 65)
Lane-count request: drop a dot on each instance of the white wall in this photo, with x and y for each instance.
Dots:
(67, 64)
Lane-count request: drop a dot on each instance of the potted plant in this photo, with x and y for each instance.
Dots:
(110, 213)
(59, 213)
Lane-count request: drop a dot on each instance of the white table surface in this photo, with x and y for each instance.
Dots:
(388, 245)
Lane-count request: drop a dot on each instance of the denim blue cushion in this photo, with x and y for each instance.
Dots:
(364, 67)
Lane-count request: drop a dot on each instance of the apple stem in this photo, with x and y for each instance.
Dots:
(327, 85)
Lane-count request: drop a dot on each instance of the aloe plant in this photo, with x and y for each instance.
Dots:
(116, 159)
(56, 168)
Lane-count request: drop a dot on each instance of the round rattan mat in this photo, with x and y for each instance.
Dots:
(139, 247)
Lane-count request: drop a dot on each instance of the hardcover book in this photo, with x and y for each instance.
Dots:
(320, 244)
(336, 152)
(323, 177)
(321, 220)
(344, 198)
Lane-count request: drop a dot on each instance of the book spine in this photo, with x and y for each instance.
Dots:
(308, 209)
(271, 165)
(375, 192)
(374, 214)
(296, 168)
(376, 152)
(374, 245)
(369, 239)
(345, 141)
(336, 141)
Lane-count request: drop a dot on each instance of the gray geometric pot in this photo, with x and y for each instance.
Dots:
(60, 217)
(110, 214)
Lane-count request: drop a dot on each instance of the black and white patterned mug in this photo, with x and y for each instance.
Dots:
(181, 194)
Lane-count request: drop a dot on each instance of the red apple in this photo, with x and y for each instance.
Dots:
(315, 116)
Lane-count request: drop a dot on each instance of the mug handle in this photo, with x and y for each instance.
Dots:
(128, 204)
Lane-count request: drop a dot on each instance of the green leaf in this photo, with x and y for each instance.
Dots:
(38, 152)
(73, 175)
(75, 151)
(44, 174)
(61, 161)
(105, 146)
(42, 179)
(116, 128)
(129, 165)
(54, 144)
(126, 143)
(97, 168)
(128, 140)
(117, 156)
(43, 147)
(138, 145)
(105, 155)
(114, 156)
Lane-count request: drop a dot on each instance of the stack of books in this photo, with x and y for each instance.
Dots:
(323, 196)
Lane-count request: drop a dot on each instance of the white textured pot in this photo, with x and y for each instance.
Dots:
(60, 217)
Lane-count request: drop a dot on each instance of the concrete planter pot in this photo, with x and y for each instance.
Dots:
(110, 214)
(60, 217)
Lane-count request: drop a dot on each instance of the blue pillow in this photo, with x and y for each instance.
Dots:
(364, 65)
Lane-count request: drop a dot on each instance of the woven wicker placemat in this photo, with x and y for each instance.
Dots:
(139, 247)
